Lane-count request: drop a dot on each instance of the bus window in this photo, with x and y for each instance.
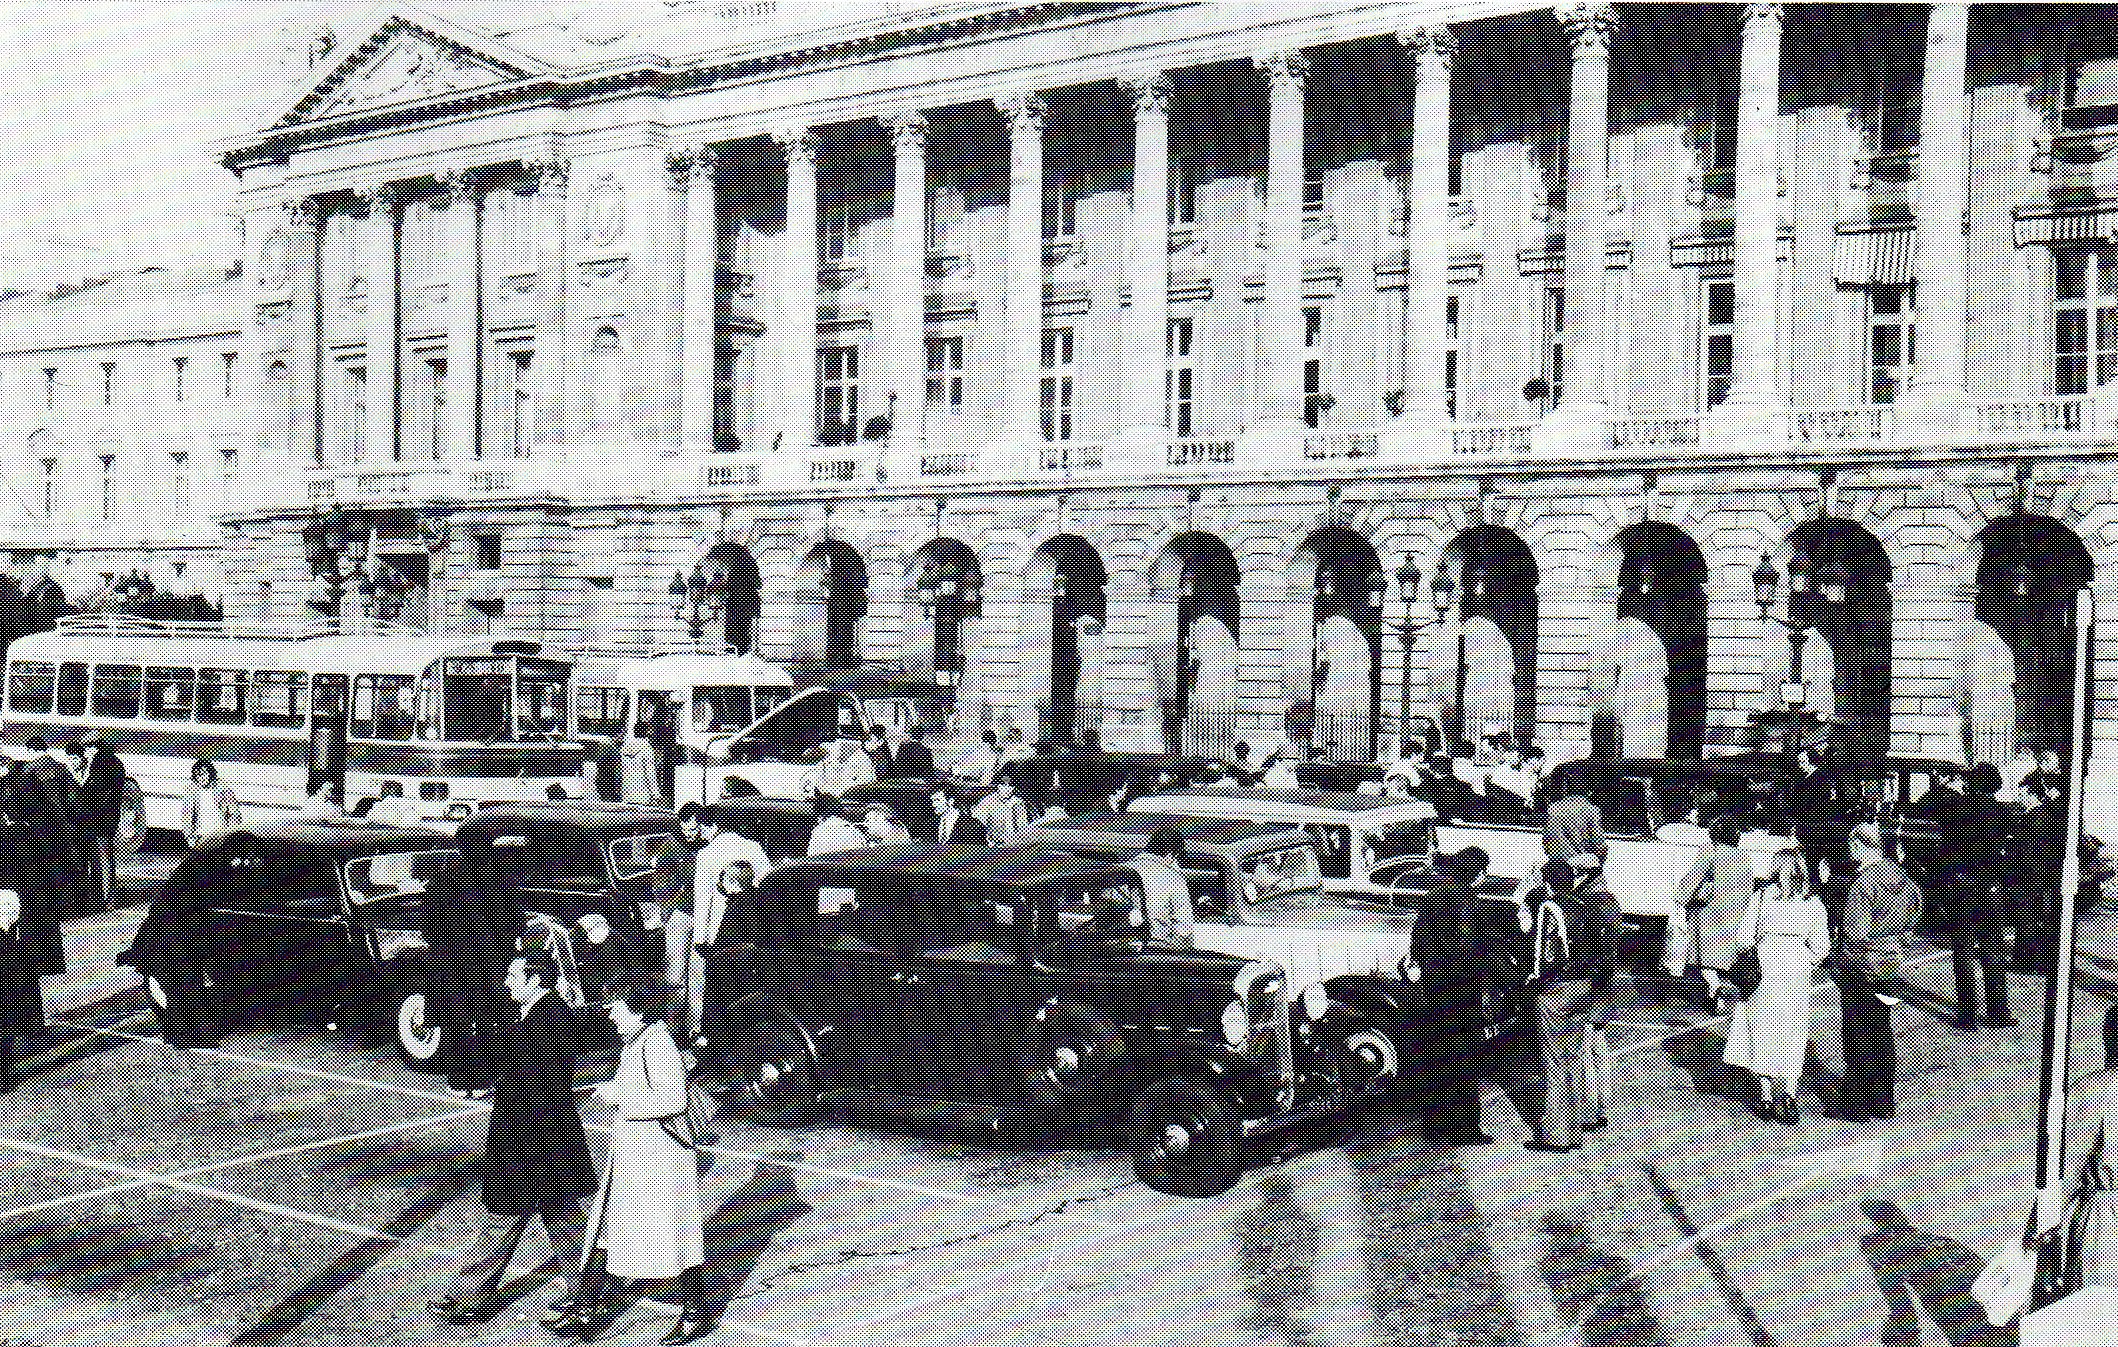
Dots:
(364, 707)
(221, 700)
(763, 701)
(73, 689)
(394, 699)
(117, 690)
(600, 711)
(540, 708)
(474, 698)
(169, 694)
(279, 699)
(720, 708)
(29, 688)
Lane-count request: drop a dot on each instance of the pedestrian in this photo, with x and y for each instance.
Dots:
(1442, 959)
(1881, 907)
(952, 826)
(42, 805)
(1574, 826)
(1573, 1006)
(327, 801)
(846, 766)
(21, 985)
(1013, 749)
(210, 808)
(1711, 905)
(471, 926)
(1809, 805)
(1165, 894)
(1280, 773)
(674, 880)
(834, 831)
(648, 1225)
(1005, 816)
(102, 806)
(393, 809)
(910, 758)
(729, 916)
(2091, 1257)
(1768, 1034)
(640, 768)
(978, 765)
(883, 827)
(536, 1163)
(1975, 869)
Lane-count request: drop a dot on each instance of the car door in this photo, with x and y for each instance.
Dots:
(279, 923)
(974, 997)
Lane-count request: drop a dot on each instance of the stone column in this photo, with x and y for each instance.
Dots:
(797, 421)
(1425, 356)
(1147, 270)
(1589, 24)
(1025, 113)
(381, 248)
(696, 168)
(459, 233)
(305, 445)
(1944, 194)
(1279, 400)
(905, 344)
(1754, 380)
(550, 360)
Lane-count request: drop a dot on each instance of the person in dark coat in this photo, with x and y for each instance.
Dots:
(536, 1154)
(43, 804)
(1976, 871)
(1882, 906)
(172, 944)
(21, 993)
(910, 758)
(955, 826)
(1443, 957)
(101, 806)
(472, 927)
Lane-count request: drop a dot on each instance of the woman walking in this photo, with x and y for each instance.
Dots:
(648, 1225)
(1768, 1035)
(210, 808)
(640, 769)
(1716, 897)
(2092, 1138)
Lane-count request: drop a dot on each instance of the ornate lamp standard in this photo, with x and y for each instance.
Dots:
(1408, 628)
(698, 598)
(1828, 586)
(947, 598)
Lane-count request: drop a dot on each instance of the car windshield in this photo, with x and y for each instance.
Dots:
(634, 856)
(1275, 874)
(399, 874)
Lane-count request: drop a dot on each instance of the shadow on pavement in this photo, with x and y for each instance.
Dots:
(1594, 1290)
(1920, 1272)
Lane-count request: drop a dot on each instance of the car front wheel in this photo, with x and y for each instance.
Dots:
(418, 1036)
(1374, 1055)
(1184, 1139)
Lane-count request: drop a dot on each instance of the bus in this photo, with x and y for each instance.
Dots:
(456, 722)
(689, 698)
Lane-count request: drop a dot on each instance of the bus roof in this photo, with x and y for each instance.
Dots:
(679, 670)
(317, 654)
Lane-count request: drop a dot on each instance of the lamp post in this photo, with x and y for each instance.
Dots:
(698, 598)
(1828, 584)
(1408, 628)
(947, 597)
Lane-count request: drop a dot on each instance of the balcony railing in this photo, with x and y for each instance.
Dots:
(1201, 453)
(1513, 438)
(1357, 444)
(1842, 425)
(949, 463)
(1655, 432)
(1069, 457)
(2036, 416)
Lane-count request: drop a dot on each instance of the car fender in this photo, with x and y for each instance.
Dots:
(815, 1034)
(1159, 1054)
(1390, 1001)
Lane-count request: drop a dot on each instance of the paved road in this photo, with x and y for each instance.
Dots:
(302, 1186)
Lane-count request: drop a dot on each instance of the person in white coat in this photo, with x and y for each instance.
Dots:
(648, 1223)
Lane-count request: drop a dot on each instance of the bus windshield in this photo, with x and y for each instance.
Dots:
(480, 699)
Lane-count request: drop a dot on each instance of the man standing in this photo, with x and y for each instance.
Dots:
(43, 804)
(536, 1156)
(1572, 1004)
(1975, 870)
(1165, 892)
(1881, 906)
(952, 826)
(1004, 814)
(910, 758)
(673, 879)
(1442, 959)
(102, 804)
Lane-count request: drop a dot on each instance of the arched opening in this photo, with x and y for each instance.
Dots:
(1486, 663)
(733, 581)
(1195, 619)
(2029, 569)
(1333, 644)
(946, 584)
(1652, 662)
(1063, 615)
(1845, 600)
(830, 607)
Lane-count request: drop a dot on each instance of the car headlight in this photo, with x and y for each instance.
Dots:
(459, 811)
(1235, 1024)
(1316, 1000)
(390, 944)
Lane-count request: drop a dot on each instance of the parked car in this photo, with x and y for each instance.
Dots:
(1012, 983)
(1082, 781)
(1257, 891)
(311, 912)
(1368, 846)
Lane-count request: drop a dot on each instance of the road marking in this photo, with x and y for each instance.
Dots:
(234, 1160)
(220, 1194)
(853, 1175)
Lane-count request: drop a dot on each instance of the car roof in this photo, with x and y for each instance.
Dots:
(1323, 801)
(1009, 867)
(343, 839)
(1191, 827)
(608, 820)
(1672, 769)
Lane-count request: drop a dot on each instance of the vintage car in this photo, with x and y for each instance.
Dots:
(1083, 780)
(1007, 984)
(1367, 846)
(1257, 891)
(319, 913)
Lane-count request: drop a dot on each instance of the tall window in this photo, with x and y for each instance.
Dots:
(110, 382)
(1451, 355)
(521, 406)
(51, 389)
(227, 374)
(1183, 192)
(1890, 341)
(1179, 378)
(1060, 195)
(228, 466)
(1056, 387)
(356, 413)
(1313, 405)
(437, 407)
(181, 362)
(838, 394)
(180, 485)
(945, 371)
(1717, 340)
(1312, 193)
(2085, 310)
(1551, 369)
(2092, 96)
(838, 231)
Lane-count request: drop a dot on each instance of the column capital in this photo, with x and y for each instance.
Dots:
(798, 145)
(377, 198)
(908, 131)
(551, 174)
(460, 183)
(1287, 68)
(1025, 113)
(1434, 45)
(307, 212)
(1764, 11)
(1150, 94)
(1588, 23)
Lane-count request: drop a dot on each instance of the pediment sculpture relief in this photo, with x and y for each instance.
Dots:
(409, 68)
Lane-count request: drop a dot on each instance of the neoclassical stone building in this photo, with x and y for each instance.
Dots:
(1109, 361)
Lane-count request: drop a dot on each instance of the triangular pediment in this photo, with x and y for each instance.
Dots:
(405, 61)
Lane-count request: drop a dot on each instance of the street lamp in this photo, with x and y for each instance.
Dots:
(1830, 587)
(947, 596)
(698, 598)
(1408, 628)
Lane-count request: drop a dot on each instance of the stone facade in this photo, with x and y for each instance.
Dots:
(539, 322)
